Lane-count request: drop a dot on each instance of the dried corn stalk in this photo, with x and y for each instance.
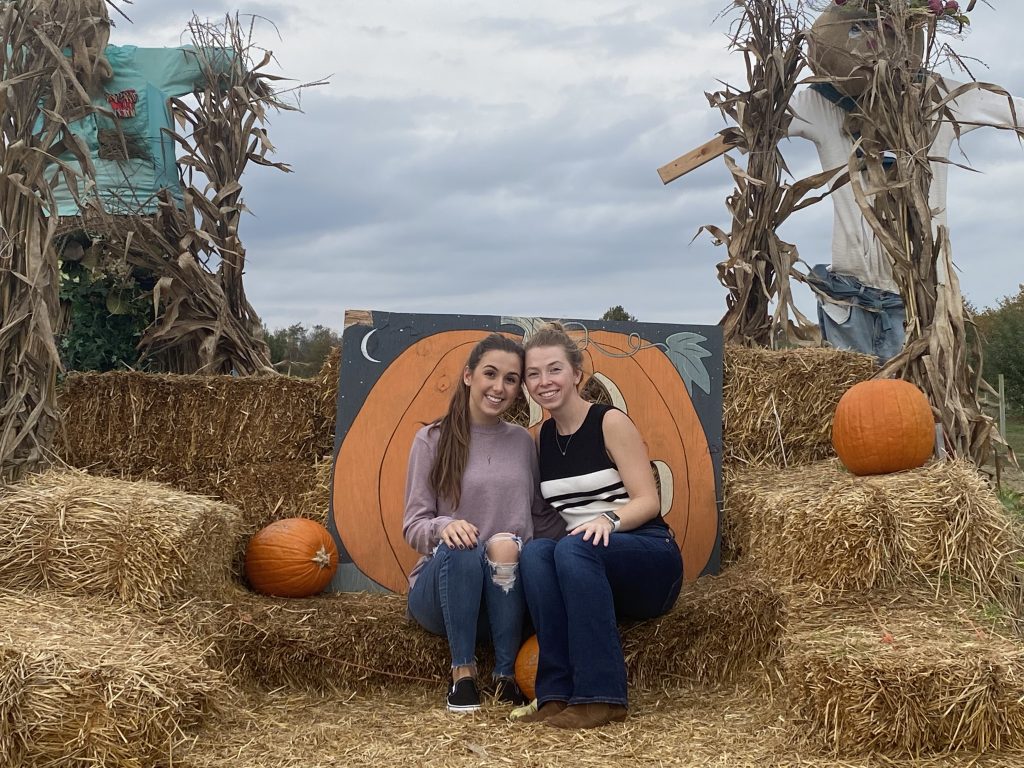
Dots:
(206, 324)
(761, 311)
(901, 114)
(42, 91)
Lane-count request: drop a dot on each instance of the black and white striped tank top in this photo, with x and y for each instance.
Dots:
(582, 483)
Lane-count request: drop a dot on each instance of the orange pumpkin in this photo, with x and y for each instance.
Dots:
(882, 426)
(370, 468)
(526, 667)
(295, 557)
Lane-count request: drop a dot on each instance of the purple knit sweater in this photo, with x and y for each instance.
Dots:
(500, 490)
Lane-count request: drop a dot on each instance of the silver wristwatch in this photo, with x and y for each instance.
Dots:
(615, 521)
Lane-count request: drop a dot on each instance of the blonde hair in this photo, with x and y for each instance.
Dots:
(553, 334)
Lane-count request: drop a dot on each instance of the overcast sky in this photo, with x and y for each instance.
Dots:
(500, 158)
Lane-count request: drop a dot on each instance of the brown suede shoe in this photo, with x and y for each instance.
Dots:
(580, 716)
(546, 710)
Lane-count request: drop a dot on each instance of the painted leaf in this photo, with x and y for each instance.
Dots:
(687, 355)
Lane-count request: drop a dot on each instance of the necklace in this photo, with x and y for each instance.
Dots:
(558, 438)
(558, 442)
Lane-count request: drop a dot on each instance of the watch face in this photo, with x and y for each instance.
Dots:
(612, 516)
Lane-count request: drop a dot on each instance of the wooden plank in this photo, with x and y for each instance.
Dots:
(357, 317)
(695, 158)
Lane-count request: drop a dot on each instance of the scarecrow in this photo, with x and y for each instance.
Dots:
(129, 135)
(860, 306)
(895, 121)
(859, 301)
(156, 208)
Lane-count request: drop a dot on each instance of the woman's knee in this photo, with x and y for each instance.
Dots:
(502, 552)
(537, 552)
(504, 548)
(459, 560)
(572, 547)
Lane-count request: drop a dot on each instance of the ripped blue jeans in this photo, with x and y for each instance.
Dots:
(461, 594)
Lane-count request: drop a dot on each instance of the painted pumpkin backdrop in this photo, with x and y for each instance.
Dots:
(415, 387)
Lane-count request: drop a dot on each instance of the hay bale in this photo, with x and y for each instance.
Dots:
(777, 406)
(822, 530)
(721, 629)
(326, 404)
(84, 683)
(316, 501)
(334, 642)
(131, 422)
(145, 544)
(263, 492)
(899, 675)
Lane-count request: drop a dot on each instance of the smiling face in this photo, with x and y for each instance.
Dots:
(550, 378)
(493, 385)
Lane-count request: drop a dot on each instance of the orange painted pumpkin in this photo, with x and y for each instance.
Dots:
(291, 558)
(882, 426)
(526, 667)
(370, 468)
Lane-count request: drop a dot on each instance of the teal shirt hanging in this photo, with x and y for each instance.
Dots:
(144, 81)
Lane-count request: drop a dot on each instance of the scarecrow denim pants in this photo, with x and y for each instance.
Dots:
(576, 591)
(869, 320)
(455, 596)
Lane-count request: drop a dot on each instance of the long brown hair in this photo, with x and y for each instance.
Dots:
(453, 445)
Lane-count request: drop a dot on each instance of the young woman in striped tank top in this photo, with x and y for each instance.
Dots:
(617, 558)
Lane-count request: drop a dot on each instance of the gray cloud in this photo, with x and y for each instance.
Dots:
(503, 162)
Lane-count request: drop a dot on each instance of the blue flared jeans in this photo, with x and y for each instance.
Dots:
(455, 596)
(576, 592)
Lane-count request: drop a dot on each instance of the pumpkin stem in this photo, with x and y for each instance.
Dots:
(322, 558)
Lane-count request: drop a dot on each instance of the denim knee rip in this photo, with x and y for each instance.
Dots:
(504, 574)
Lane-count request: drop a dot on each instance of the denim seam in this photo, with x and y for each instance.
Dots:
(597, 700)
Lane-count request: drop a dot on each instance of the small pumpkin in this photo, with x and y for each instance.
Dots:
(526, 667)
(882, 426)
(295, 557)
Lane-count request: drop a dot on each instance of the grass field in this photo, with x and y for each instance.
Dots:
(1015, 433)
(1011, 489)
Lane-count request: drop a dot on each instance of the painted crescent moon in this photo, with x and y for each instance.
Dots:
(362, 346)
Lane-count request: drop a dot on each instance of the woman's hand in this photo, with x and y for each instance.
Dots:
(597, 531)
(460, 534)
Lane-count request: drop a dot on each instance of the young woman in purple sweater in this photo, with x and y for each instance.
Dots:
(471, 497)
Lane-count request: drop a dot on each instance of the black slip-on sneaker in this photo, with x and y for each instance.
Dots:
(463, 696)
(507, 691)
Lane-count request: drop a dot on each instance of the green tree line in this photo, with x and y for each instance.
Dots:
(1002, 340)
(300, 351)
